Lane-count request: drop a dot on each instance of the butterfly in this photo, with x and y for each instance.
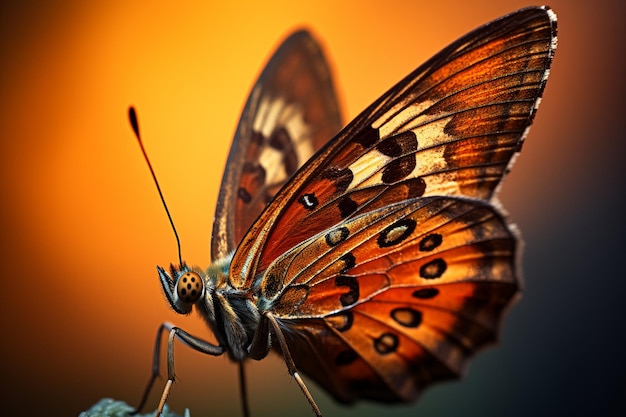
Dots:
(375, 258)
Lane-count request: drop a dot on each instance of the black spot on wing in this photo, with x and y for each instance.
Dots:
(281, 141)
(396, 233)
(336, 236)
(342, 178)
(398, 145)
(367, 137)
(308, 201)
(416, 187)
(426, 293)
(349, 261)
(399, 169)
(386, 343)
(347, 206)
(244, 195)
(406, 316)
(433, 269)
(430, 242)
(352, 296)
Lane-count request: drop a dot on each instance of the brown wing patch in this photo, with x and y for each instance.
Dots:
(291, 112)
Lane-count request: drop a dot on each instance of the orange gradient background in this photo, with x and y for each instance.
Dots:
(83, 227)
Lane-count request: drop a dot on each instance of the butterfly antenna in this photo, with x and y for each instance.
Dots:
(132, 116)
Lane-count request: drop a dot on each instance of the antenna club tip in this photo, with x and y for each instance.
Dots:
(134, 123)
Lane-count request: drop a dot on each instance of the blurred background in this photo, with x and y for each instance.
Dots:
(83, 227)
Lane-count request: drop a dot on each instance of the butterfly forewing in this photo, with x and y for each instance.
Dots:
(291, 112)
(450, 128)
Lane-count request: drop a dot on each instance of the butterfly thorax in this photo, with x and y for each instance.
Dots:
(231, 314)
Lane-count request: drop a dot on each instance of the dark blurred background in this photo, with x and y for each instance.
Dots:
(82, 226)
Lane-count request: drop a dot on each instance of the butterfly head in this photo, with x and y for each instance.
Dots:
(183, 286)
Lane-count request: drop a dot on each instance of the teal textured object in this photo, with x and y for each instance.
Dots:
(108, 407)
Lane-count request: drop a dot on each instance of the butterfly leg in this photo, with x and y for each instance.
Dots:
(243, 391)
(188, 339)
(291, 367)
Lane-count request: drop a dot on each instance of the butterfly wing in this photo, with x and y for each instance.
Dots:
(290, 113)
(397, 298)
(451, 127)
(383, 258)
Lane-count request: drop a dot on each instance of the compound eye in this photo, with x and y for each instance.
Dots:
(189, 287)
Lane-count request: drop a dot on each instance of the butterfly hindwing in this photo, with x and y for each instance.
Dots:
(412, 289)
(291, 112)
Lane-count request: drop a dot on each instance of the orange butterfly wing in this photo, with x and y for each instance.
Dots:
(399, 297)
(291, 112)
(383, 258)
(450, 128)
